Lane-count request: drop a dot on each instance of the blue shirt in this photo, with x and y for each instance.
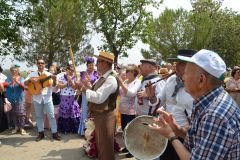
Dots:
(14, 93)
(215, 127)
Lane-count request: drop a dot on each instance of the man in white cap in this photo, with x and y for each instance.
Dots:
(175, 100)
(214, 131)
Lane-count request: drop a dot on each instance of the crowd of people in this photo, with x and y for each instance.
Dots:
(190, 107)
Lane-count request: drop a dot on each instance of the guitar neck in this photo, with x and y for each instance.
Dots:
(45, 79)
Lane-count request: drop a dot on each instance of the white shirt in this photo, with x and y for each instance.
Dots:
(143, 109)
(46, 95)
(103, 92)
(178, 104)
(2, 78)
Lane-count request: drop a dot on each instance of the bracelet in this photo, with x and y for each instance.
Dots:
(171, 139)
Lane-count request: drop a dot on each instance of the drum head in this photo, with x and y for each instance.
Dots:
(141, 141)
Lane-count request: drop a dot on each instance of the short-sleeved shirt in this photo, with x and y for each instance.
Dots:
(14, 92)
(46, 94)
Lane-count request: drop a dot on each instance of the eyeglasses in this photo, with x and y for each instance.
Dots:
(98, 61)
(40, 63)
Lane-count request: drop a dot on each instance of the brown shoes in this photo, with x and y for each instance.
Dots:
(40, 136)
(56, 136)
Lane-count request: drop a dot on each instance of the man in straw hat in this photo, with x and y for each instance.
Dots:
(102, 97)
(176, 100)
(215, 122)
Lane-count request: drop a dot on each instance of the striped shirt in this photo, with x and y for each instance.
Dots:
(215, 127)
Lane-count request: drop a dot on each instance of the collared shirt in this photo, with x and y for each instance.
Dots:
(180, 105)
(103, 92)
(215, 129)
(144, 109)
(46, 95)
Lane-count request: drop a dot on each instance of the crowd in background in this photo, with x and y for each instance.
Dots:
(71, 105)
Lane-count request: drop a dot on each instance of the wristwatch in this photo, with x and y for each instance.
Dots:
(171, 139)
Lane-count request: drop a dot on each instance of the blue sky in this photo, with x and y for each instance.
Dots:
(134, 53)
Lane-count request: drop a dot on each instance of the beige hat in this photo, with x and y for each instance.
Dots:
(106, 56)
(163, 72)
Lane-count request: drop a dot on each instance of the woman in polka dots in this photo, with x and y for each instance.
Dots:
(69, 112)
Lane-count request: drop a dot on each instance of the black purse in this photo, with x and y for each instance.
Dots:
(56, 98)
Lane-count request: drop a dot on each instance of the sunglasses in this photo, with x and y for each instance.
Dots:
(40, 63)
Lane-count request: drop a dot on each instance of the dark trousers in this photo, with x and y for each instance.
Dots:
(170, 153)
(125, 119)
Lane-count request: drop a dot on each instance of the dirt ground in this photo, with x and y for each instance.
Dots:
(20, 147)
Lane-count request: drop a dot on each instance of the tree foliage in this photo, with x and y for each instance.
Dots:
(120, 22)
(62, 21)
(14, 14)
(226, 36)
(167, 33)
(206, 26)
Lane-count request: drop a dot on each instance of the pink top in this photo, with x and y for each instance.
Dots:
(127, 101)
(28, 96)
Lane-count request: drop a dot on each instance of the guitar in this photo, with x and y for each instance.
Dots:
(41, 82)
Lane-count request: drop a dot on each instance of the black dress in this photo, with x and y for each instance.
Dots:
(3, 117)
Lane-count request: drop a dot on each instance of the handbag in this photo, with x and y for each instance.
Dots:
(7, 107)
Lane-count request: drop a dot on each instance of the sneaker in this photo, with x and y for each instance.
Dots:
(23, 132)
(30, 122)
(129, 155)
(124, 150)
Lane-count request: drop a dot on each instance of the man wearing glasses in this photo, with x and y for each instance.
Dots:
(43, 102)
(102, 102)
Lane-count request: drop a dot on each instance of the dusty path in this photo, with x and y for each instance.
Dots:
(19, 147)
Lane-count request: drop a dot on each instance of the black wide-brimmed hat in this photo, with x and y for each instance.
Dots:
(183, 52)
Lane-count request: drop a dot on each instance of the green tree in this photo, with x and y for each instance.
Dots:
(120, 22)
(63, 21)
(14, 15)
(167, 33)
(206, 26)
(226, 36)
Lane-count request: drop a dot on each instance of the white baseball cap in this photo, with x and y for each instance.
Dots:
(209, 61)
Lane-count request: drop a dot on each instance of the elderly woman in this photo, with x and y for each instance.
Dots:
(233, 85)
(92, 75)
(15, 94)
